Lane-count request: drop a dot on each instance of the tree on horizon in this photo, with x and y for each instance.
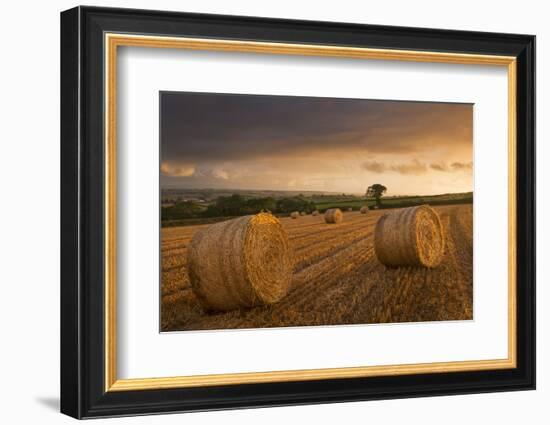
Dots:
(376, 191)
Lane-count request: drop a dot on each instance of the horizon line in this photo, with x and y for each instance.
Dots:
(306, 191)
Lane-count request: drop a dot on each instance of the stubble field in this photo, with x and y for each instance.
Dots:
(337, 278)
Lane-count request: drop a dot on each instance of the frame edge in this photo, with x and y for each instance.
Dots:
(526, 204)
(70, 349)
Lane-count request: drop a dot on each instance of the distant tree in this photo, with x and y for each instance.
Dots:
(255, 205)
(286, 205)
(376, 191)
(236, 205)
(181, 210)
(229, 205)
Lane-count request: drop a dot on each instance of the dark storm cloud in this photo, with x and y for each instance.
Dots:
(199, 127)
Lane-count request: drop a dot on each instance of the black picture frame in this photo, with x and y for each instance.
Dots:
(83, 392)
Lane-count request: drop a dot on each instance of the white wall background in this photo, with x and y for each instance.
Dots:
(29, 217)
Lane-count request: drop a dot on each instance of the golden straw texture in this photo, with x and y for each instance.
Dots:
(333, 215)
(409, 237)
(242, 262)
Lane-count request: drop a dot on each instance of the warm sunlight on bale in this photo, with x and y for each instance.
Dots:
(364, 209)
(294, 214)
(333, 215)
(315, 212)
(243, 262)
(409, 237)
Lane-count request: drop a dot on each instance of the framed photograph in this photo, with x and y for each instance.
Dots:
(261, 212)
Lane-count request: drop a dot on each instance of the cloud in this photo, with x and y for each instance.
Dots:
(251, 141)
(457, 166)
(439, 167)
(219, 174)
(197, 127)
(177, 170)
(413, 167)
(374, 166)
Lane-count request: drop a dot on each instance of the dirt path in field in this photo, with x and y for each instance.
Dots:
(337, 278)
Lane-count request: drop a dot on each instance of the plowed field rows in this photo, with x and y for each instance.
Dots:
(337, 278)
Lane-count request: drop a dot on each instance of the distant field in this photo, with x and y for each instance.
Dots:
(208, 195)
(337, 278)
(323, 202)
(392, 202)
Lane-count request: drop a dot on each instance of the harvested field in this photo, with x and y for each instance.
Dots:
(337, 278)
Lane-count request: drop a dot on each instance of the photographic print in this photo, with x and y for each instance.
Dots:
(281, 211)
(307, 224)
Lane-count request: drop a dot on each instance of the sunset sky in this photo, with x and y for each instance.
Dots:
(305, 143)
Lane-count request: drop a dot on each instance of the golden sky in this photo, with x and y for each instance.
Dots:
(231, 141)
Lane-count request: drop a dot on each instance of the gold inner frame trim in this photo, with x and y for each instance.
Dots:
(113, 41)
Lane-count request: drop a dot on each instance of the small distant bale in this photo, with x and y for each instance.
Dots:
(333, 216)
(295, 214)
(302, 213)
(409, 237)
(243, 262)
(350, 209)
(315, 212)
(364, 209)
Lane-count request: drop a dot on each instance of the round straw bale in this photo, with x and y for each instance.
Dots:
(302, 213)
(315, 212)
(409, 237)
(350, 209)
(333, 215)
(364, 209)
(295, 214)
(242, 262)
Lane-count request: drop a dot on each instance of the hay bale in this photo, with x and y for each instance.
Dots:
(350, 209)
(409, 237)
(364, 209)
(333, 215)
(294, 214)
(242, 262)
(315, 212)
(302, 213)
